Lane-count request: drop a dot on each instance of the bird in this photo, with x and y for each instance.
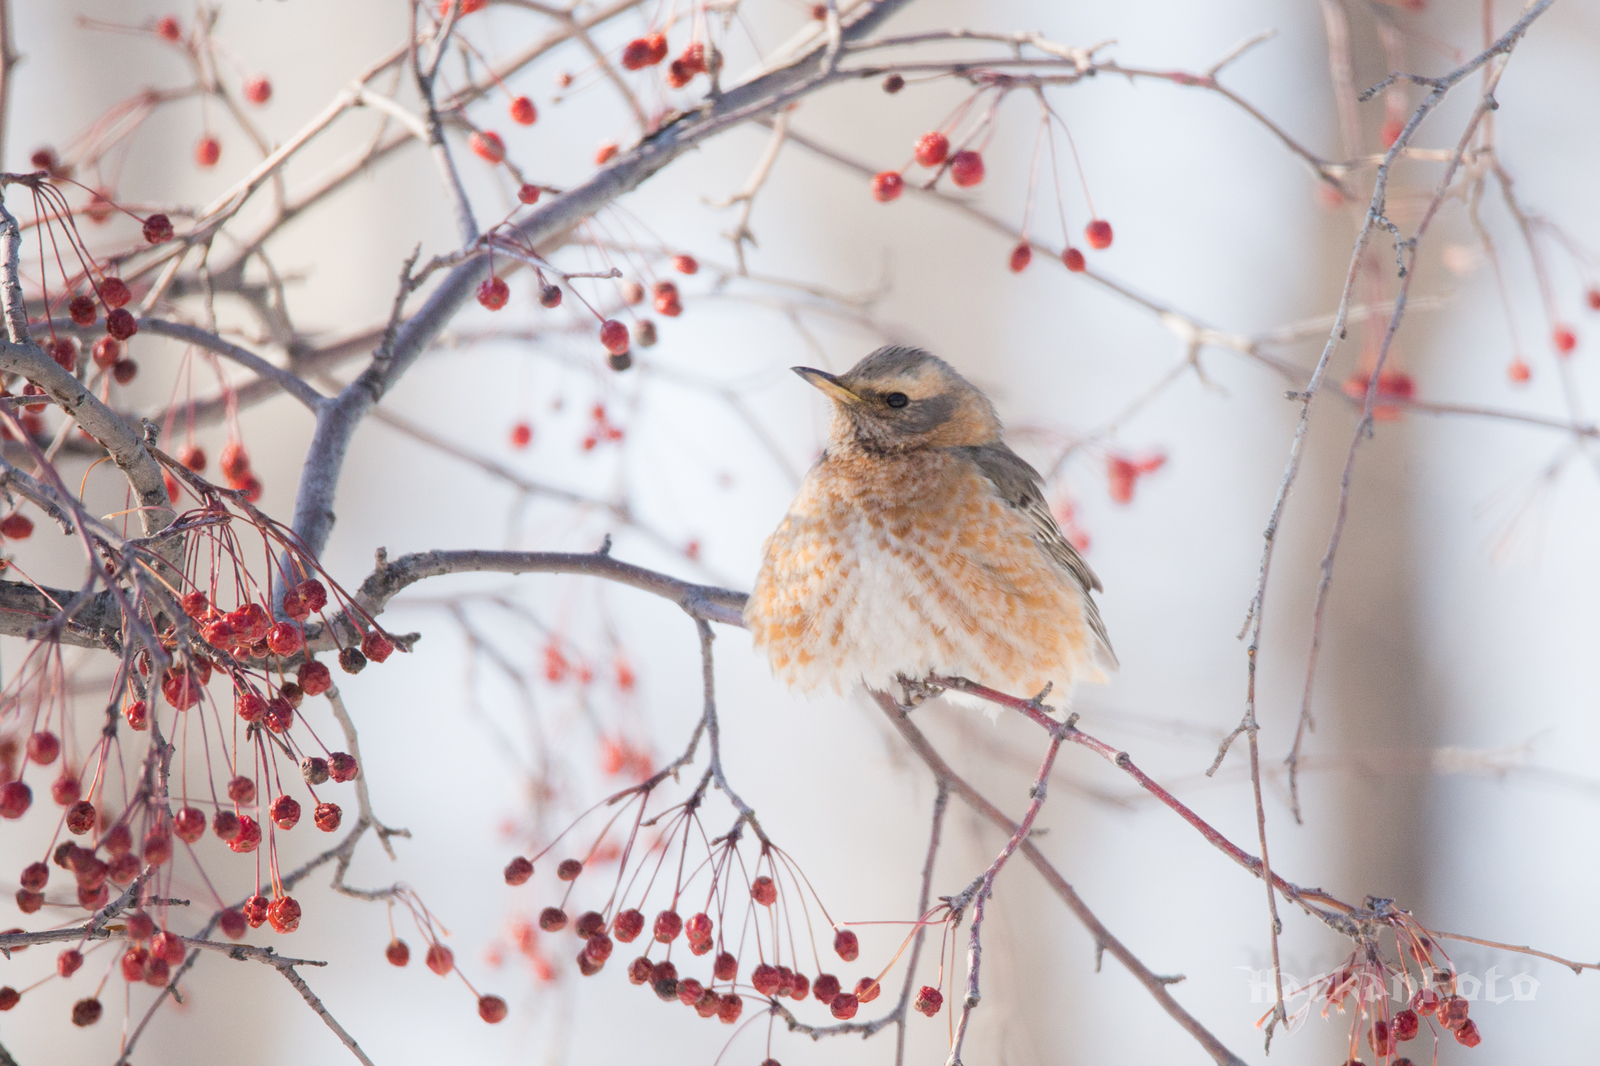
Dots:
(919, 545)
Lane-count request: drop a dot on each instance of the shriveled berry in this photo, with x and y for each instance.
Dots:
(85, 1012)
(351, 661)
(16, 797)
(255, 911)
(550, 296)
(397, 952)
(800, 987)
(707, 1004)
(327, 816)
(598, 947)
(1453, 1012)
(314, 770)
(81, 816)
(726, 967)
(589, 923)
(29, 902)
(690, 991)
(1406, 1025)
(133, 961)
(242, 790)
(640, 971)
(1021, 256)
(765, 979)
(867, 989)
(730, 1008)
(1468, 1035)
(207, 150)
(114, 292)
(314, 678)
(492, 1009)
(569, 869)
(928, 1001)
(43, 746)
(1098, 234)
(314, 593)
(667, 927)
(847, 945)
(35, 876)
(487, 146)
(157, 229)
(82, 310)
(664, 979)
(121, 325)
(284, 812)
(248, 838)
(376, 647)
(493, 293)
(628, 926)
(284, 914)
(887, 185)
(440, 959)
(189, 824)
(764, 891)
(342, 766)
(966, 168)
(552, 919)
(698, 928)
(587, 966)
(518, 870)
(68, 962)
(844, 1006)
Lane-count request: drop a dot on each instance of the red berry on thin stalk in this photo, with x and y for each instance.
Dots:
(487, 146)
(966, 168)
(440, 959)
(1021, 256)
(887, 186)
(314, 677)
(685, 264)
(493, 293)
(825, 987)
(1564, 340)
(1468, 1035)
(284, 914)
(765, 979)
(157, 229)
(114, 292)
(397, 952)
(667, 927)
(1098, 234)
(82, 310)
(121, 325)
(614, 336)
(844, 1006)
(627, 927)
(518, 870)
(1519, 372)
(258, 90)
(43, 746)
(764, 891)
(124, 371)
(63, 790)
(1405, 1025)
(932, 149)
(867, 990)
(285, 638)
(85, 1012)
(225, 824)
(107, 352)
(698, 928)
(376, 646)
(847, 945)
(68, 962)
(528, 194)
(569, 869)
(242, 790)
(523, 113)
(35, 876)
(207, 150)
(550, 296)
(492, 1009)
(554, 919)
(248, 838)
(232, 924)
(928, 1001)
(327, 817)
(730, 1008)
(284, 812)
(168, 29)
(189, 824)
(589, 923)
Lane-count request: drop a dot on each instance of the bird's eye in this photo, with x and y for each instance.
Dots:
(897, 399)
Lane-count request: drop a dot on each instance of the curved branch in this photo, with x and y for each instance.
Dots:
(285, 380)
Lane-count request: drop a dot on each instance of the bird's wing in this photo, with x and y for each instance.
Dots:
(1020, 485)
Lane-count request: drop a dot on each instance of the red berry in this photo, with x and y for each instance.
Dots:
(45, 159)
(342, 766)
(285, 638)
(167, 947)
(1072, 259)
(523, 113)
(518, 870)
(1593, 297)
(487, 145)
(35, 876)
(844, 1006)
(376, 646)
(569, 869)
(232, 923)
(493, 293)
(928, 1001)
(107, 352)
(698, 928)
(528, 194)
(255, 911)
(43, 746)
(85, 1012)
(327, 816)
(605, 153)
(284, 914)
(114, 292)
(764, 891)
(1468, 1035)
(887, 186)
(314, 678)
(685, 264)
(1098, 234)
(168, 29)
(966, 168)
(1519, 372)
(679, 74)
(397, 952)
(667, 927)
(157, 228)
(614, 336)
(81, 816)
(1391, 132)
(598, 947)
(125, 370)
(729, 1009)
(932, 149)
(121, 325)
(549, 296)
(248, 838)
(589, 923)
(554, 919)
(867, 990)
(225, 824)
(81, 309)
(492, 1009)
(825, 987)
(1564, 340)
(189, 824)
(242, 790)
(207, 150)
(1021, 256)
(68, 961)
(640, 971)
(628, 926)
(1405, 1025)
(521, 435)
(63, 790)
(258, 90)
(638, 54)
(1452, 1012)
(440, 959)
(313, 593)
(847, 945)
(284, 812)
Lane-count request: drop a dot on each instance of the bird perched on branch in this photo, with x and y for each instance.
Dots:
(920, 545)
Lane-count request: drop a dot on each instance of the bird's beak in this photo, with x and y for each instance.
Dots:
(827, 383)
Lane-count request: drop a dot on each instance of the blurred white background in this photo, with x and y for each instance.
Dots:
(1443, 635)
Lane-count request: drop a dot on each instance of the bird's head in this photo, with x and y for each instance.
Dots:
(901, 399)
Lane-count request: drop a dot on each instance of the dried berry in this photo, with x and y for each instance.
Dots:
(928, 1001)
(492, 1009)
(1467, 1035)
(844, 1006)
(314, 678)
(81, 816)
(106, 353)
(640, 971)
(121, 325)
(729, 1009)
(893, 84)
(690, 992)
(397, 952)
(698, 928)
(248, 838)
(35, 876)
(157, 229)
(351, 661)
(440, 959)
(242, 790)
(82, 310)
(550, 296)
(1453, 1012)
(589, 923)
(867, 989)
(518, 870)
(255, 911)
(825, 987)
(225, 824)
(284, 812)
(569, 869)
(85, 1012)
(314, 770)
(16, 797)
(667, 927)
(68, 962)
(598, 947)
(628, 926)
(664, 979)
(764, 891)
(847, 945)
(327, 816)
(114, 292)
(342, 767)
(554, 919)
(966, 168)
(726, 967)
(284, 914)
(1405, 1026)
(189, 824)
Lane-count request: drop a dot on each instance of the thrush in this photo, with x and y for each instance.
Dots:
(921, 545)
